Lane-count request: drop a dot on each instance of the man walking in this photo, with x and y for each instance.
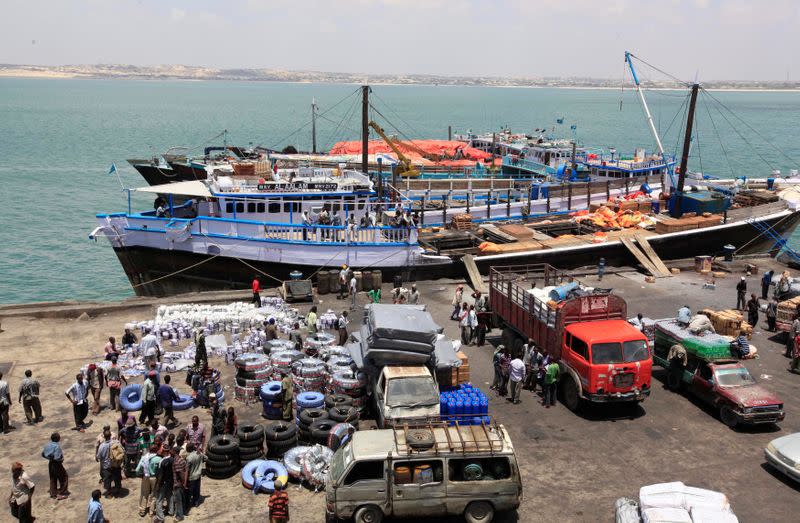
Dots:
(194, 460)
(59, 480)
(752, 310)
(458, 297)
(148, 399)
(103, 456)
(164, 481)
(29, 397)
(180, 472)
(551, 382)
(256, 291)
(741, 291)
(114, 381)
(149, 348)
(201, 353)
(353, 291)
(167, 396)
(287, 391)
(413, 298)
(148, 467)
(95, 511)
(772, 315)
(516, 371)
(766, 280)
(343, 282)
(342, 328)
(5, 403)
(95, 379)
(279, 504)
(311, 321)
(76, 394)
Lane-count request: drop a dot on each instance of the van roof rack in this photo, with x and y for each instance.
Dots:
(452, 433)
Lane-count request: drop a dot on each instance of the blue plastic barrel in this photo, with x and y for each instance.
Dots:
(656, 206)
(645, 188)
(770, 184)
(561, 292)
(484, 406)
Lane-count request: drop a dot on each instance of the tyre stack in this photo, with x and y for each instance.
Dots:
(306, 420)
(308, 375)
(272, 400)
(252, 371)
(222, 453)
(281, 361)
(341, 410)
(280, 437)
(352, 384)
(251, 442)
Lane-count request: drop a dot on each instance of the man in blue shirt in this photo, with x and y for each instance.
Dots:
(96, 509)
(684, 316)
(166, 394)
(58, 474)
(740, 346)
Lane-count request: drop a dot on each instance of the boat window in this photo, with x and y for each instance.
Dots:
(337, 207)
(260, 208)
(580, 347)
(365, 470)
(418, 472)
(229, 207)
(274, 207)
(361, 204)
(291, 207)
(239, 206)
(251, 207)
(479, 469)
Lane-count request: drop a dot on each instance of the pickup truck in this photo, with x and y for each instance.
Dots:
(405, 392)
(721, 382)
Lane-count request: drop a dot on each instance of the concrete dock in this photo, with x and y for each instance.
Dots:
(573, 465)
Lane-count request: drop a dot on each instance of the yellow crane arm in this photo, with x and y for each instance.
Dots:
(406, 168)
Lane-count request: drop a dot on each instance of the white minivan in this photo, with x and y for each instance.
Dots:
(428, 469)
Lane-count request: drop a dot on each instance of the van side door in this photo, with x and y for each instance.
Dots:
(364, 484)
(419, 488)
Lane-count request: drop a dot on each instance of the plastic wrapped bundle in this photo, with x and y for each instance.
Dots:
(707, 346)
(315, 463)
(328, 320)
(710, 515)
(626, 510)
(293, 461)
(279, 345)
(322, 339)
(308, 368)
(282, 360)
(332, 351)
(338, 363)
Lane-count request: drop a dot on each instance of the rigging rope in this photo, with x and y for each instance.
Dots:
(719, 138)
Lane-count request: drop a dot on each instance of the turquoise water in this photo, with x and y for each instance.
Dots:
(59, 137)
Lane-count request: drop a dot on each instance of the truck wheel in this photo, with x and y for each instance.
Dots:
(479, 512)
(368, 514)
(569, 395)
(728, 417)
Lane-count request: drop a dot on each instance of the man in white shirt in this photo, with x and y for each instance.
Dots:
(413, 299)
(149, 347)
(76, 394)
(353, 291)
(516, 374)
(342, 328)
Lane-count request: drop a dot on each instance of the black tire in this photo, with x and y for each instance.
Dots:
(303, 435)
(280, 431)
(479, 512)
(224, 473)
(337, 400)
(368, 514)
(250, 456)
(221, 463)
(728, 417)
(223, 444)
(321, 428)
(420, 439)
(246, 374)
(343, 414)
(279, 448)
(308, 416)
(569, 394)
(248, 433)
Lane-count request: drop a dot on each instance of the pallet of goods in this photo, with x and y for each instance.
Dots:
(728, 322)
(462, 222)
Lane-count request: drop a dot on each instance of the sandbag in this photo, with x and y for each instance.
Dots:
(666, 515)
(703, 498)
(626, 510)
(701, 323)
(662, 495)
(709, 515)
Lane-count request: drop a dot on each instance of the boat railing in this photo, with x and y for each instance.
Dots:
(528, 165)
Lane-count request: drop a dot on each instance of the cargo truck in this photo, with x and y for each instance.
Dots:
(601, 356)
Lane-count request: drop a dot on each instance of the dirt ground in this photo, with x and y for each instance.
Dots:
(573, 465)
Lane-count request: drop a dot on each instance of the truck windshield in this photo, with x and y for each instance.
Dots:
(340, 461)
(412, 392)
(733, 377)
(625, 352)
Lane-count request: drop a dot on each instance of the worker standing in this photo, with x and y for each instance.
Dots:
(795, 365)
(148, 399)
(201, 353)
(766, 280)
(96, 381)
(256, 291)
(342, 328)
(551, 383)
(29, 396)
(353, 291)
(601, 269)
(343, 282)
(311, 322)
(76, 394)
(114, 381)
(59, 480)
(741, 291)
(752, 310)
(5, 404)
(279, 504)
(793, 332)
(772, 315)
(413, 299)
(457, 300)
(516, 373)
(287, 390)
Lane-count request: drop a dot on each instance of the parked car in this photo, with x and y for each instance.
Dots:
(784, 454)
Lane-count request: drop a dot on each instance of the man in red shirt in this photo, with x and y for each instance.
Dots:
(279, 504)
(256, 291)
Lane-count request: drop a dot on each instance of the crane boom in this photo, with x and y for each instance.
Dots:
(405, 168)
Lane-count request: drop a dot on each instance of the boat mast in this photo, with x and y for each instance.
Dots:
(687, 143)
(644, 103)
(314, 126)
(365, 129)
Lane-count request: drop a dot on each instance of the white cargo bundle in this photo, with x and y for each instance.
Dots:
(675, 503)
(662, 495)
(666, 515)
(709, 515)
(702, 498)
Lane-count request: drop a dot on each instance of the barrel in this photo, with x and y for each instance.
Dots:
(729, 250)
(359, 283)
(423, 474)
(561, 292)
(333, 278)
(366, 280)
(402, 475)
(770, 184)
(377, 279)
(323, 282)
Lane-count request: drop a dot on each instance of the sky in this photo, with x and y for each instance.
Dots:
(703, 39)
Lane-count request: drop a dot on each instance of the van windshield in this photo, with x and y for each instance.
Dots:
(412, 392)
(626, 352)
(339, 462)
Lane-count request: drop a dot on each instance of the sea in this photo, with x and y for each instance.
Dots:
(60, 137)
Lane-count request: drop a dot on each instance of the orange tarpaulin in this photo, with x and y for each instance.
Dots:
(446, 149)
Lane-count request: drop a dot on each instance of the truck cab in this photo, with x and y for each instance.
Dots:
(405, 392)
(728, 386)
(604, 361)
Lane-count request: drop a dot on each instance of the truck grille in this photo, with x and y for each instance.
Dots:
(767, 408)
(622, 381)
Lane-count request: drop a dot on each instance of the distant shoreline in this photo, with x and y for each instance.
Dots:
(197, 74)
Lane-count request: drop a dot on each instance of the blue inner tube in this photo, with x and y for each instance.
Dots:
(186, 402)
(307, 400)
(248, 472)
(130, 397)
(270, 390)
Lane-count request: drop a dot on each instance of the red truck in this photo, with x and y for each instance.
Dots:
(602, 357)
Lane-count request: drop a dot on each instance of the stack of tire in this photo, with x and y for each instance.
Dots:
(251, 442)
(341, 410)
(314, 425)
(195, 380)
(222, 453)
(309, 375)
(281, 361)
(352, 384)
(272, 400)
(252, 371)
(280, 436)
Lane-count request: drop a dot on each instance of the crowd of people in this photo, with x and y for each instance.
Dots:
(527, 369)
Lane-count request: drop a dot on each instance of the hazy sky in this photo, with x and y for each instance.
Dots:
(719, 39)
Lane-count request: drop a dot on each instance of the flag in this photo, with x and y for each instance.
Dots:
(113, 169)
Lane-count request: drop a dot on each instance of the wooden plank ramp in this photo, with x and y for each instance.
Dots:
(640, 256)
(651, 254)
(474, 274)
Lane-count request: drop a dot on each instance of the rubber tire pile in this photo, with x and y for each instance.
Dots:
(252, 371)
(222, 452)
(349, 383)
(280, 437)
(251, 442)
